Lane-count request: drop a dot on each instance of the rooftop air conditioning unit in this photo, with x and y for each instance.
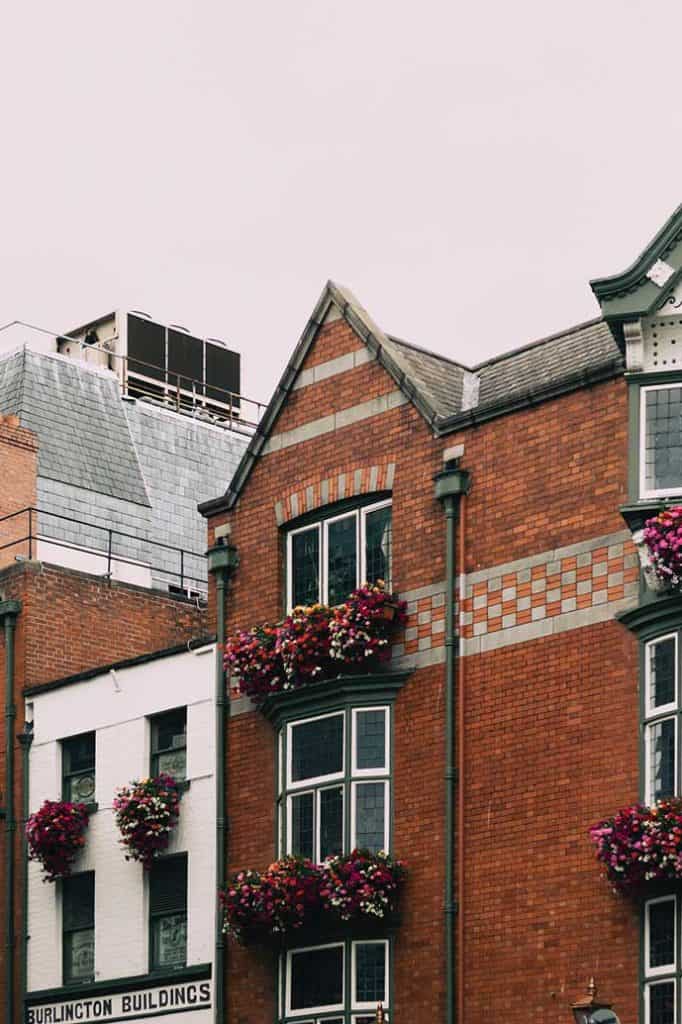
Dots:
(161, 362)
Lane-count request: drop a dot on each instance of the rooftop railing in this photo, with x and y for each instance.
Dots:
(24, 535)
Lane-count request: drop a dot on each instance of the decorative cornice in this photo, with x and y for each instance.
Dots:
(655, 615)
(619, 284)
(381, 686)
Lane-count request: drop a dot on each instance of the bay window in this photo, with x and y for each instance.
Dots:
(328, 559)
(661, 960)
(661, 718)
(337, 983)
(660, 440)
(334, 783)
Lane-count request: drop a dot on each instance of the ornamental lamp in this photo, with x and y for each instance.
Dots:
(590, 1010)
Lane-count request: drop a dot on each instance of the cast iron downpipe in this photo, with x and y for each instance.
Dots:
(8, 613)
(451, 484)
(222, 561)
(25, 739)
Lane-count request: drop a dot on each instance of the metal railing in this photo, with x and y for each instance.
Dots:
(189, 395)
(32, 538)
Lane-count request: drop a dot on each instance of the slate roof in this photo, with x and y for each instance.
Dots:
(80, 422)
(446, 393)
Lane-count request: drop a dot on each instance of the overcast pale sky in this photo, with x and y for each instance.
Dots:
(463, 168)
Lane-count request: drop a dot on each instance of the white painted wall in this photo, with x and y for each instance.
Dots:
(116, 706)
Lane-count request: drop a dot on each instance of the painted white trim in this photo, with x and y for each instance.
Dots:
(332, 1007)
(360, 773)
(353, 820)
(653, 984)
(355, 1002)
(290, 565)
(308, 783)
(326, 523)
(652, 710)
(653, 972)
(656, 492)
(650, 798)
(317, 822)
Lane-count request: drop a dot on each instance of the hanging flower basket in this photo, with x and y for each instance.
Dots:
(146, 812)
(55, 835)
(362, 885)
(641, 844)
(361, 628)
(260, 907)
(295, 894)
(316, 643)
(660, 549)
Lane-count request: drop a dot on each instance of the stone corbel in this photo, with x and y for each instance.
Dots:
(634, 346)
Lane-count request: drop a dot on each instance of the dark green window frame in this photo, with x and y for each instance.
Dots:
(78, 928)
(636, 385)
(78, 768)
(168, 878)
(162, 723)
(311, 538)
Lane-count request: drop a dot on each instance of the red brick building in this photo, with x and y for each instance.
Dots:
(532, 460)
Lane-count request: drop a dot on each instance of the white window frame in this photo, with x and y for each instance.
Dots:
(649, 725)
(322, 527)
(309, 783)
(354, 810)
(652, 984)
(663, 709)
(355, 1002)
(664, 969)
(660, 492)
(332, 1007)
(359, 773)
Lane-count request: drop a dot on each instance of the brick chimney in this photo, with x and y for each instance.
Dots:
(18, 473)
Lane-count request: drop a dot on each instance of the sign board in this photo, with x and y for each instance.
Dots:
(125, 1005)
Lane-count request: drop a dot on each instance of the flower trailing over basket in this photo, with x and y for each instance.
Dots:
(361, 628)
(259, 907)
(641, 844)
(146, 812)
(361, 885)
(294, 893)
(55, 835)
(662, 535)
(315, 643)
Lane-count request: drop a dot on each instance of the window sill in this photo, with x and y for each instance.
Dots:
(184, 785)
(346, 690)
(635, 513)
(92, 807)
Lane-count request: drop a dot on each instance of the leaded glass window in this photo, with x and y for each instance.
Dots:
(78, 927)
(661, 723)
(661, 440)
(78, 768)
(661, 941)
(336, 791)
(169, 744)
(314, 981)
(327, 560)
(168, 912)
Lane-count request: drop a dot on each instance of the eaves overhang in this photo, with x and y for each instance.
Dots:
(633, 294)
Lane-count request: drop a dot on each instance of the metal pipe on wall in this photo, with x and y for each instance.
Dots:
(451, 484)
(25, 739)
(9, 611)
(222, 561)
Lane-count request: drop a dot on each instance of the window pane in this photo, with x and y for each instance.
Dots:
(662, 672)
(370, 972)
(169, 938)
(378, 539)
(79, 955)
(342, 559)
(662, 758)
(663, 438)
(80, 788)
(662, 1003)
(169, 741)
(331, 821)
(661, 919)
(168, 885)
(79, 753)
(317, 978)
(317, 748)
(371, 739)
(305, 567)
(369, 816)
(302, 825)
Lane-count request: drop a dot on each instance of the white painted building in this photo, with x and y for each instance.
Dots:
(114, 942)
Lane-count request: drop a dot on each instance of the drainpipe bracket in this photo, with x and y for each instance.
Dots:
(11, 608)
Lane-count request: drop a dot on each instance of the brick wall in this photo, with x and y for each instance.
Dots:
(70, 622)
(549, 678)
